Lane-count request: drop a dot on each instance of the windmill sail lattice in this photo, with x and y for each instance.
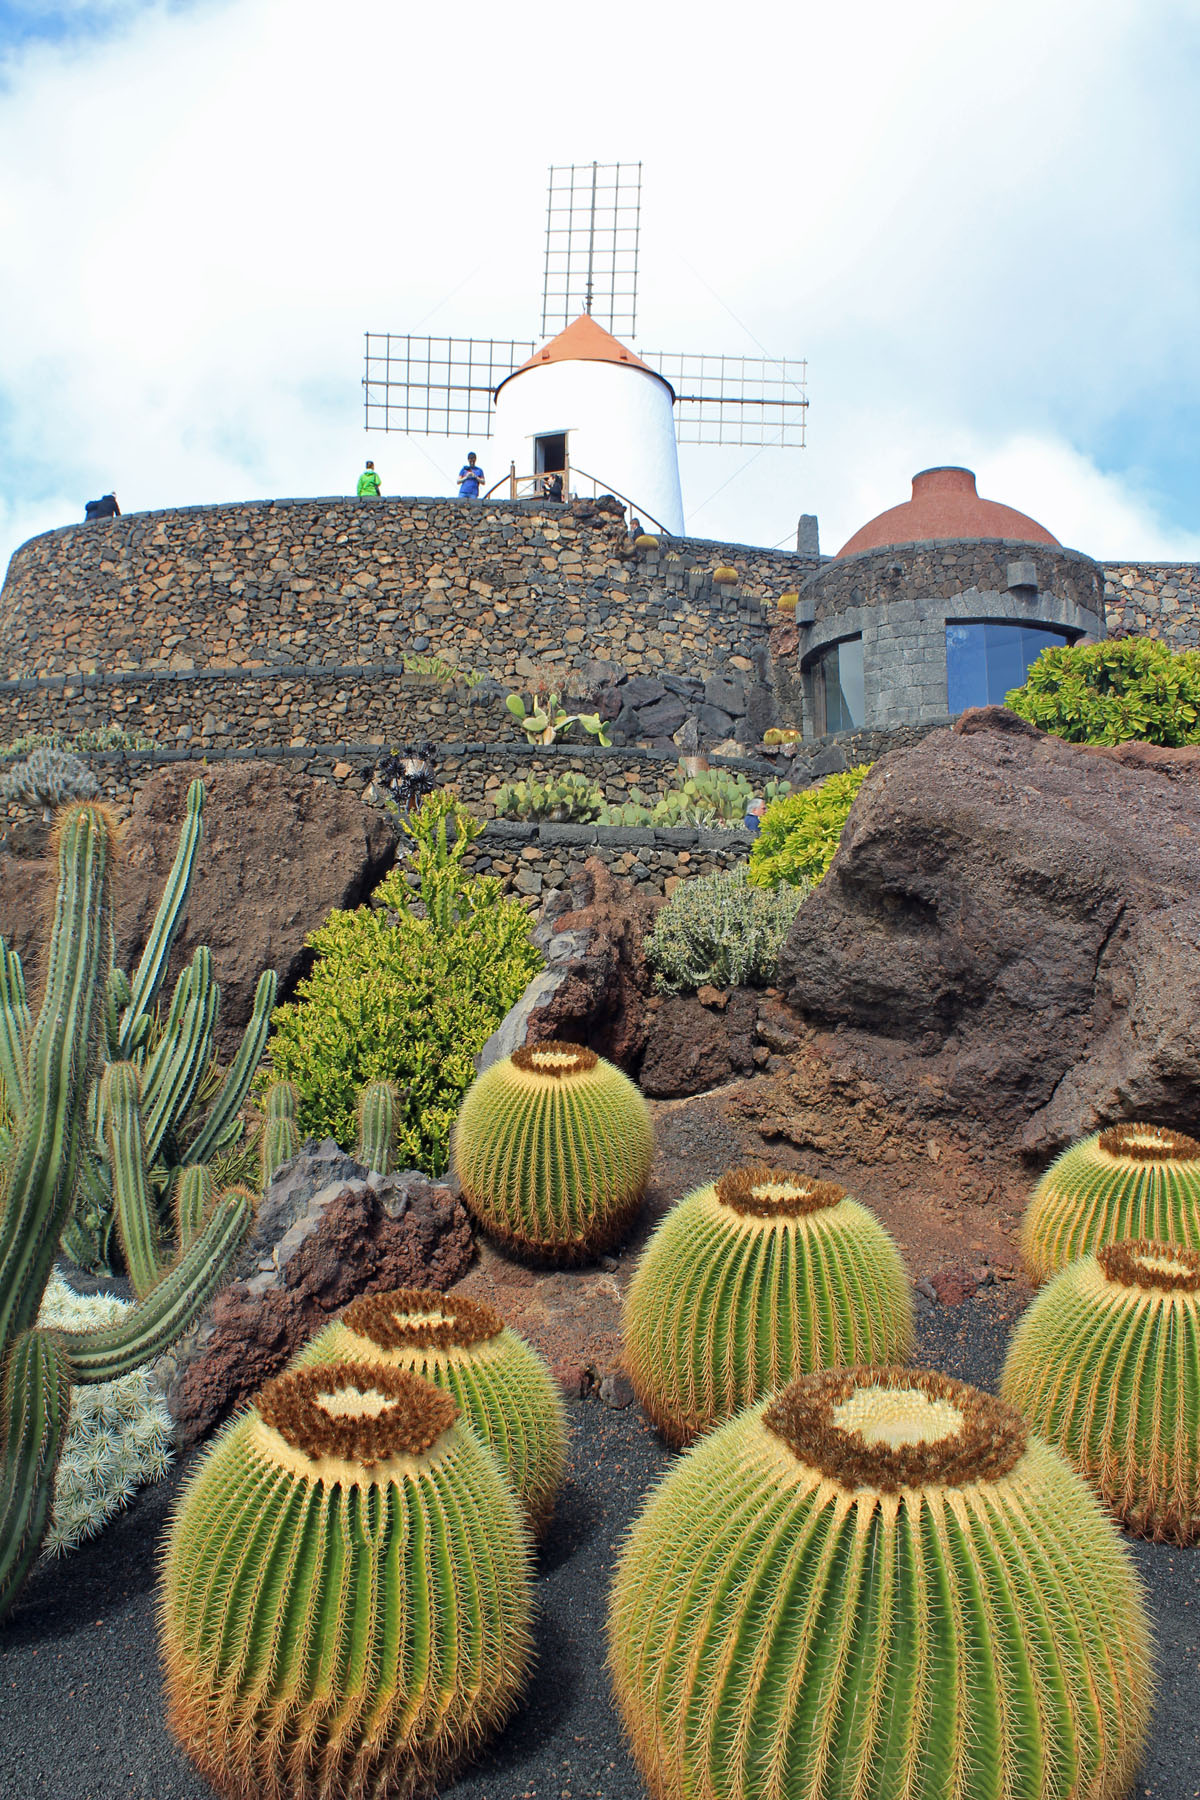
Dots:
(445, 386)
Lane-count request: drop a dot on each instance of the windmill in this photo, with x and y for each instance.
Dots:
(584, 407)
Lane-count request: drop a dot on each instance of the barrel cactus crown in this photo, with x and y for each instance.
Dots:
(346, 1596)
(1106, 1365)
(762, 1276)
(876, 1584)
(1131, 1182)
(462, 1345)
(553, 1148)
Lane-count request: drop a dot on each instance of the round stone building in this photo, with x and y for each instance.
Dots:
(936, 605)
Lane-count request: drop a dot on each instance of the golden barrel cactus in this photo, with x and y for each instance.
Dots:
(553, 1148)
(462, 1345)
(1106, 1365)
(346, 1595)
(878, 1585)
(1130, 1182)
(754, 1279)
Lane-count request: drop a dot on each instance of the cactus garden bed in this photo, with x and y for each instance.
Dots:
(81, 1714)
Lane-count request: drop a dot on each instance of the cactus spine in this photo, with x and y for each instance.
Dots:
(1130, 1182)
(280, 1139)
(876, 1585)
(762, 1276)
(1105, 1365)
(502, 1385)
(346, 1596)
(553, 1148)
(378, 1117)
(50, 1067)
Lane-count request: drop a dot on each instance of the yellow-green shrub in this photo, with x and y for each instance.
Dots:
(407, 990)
(800, 833)
(1110, 692)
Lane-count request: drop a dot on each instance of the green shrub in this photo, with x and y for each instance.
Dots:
(406, 990)
(1110, 692)
(800, 833)
(718, 931)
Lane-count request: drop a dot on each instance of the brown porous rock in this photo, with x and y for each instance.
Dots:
(691, 1047)
(591, 933)
(1009, 934)
(280, 850)
(309, 1255)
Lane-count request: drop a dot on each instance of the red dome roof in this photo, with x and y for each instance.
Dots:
(945, 504)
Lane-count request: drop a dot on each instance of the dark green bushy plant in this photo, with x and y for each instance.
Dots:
(1110, 692)
(407, 990)
(800, 833)
(719, 931)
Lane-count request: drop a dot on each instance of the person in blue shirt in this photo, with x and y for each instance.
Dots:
(753, 819)
(470, 478)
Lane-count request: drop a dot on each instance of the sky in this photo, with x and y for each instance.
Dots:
(980, 224)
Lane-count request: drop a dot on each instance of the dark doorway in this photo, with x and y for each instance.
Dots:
(550, 453)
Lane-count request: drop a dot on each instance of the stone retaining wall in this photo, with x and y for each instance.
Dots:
(1159, 600)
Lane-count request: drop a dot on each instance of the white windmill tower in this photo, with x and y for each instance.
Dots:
(584, 407)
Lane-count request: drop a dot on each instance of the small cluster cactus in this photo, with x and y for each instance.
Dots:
(378, 1122)
(346, 1597)
(553, 1148)
(49, 1067)
(462, 1345)
(547, 718)
(756, 1278)
(877, 1584)
(1105, 1365)
(1130, 1182)
(48, 777)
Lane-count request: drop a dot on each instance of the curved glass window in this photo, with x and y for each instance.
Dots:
(985, 660)
(837, 675)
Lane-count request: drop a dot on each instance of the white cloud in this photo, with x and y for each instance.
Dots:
(975, 221)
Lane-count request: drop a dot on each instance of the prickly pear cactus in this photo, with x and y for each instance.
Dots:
(1129, 1182)
(553, 1148)
(346, 1595)
(761, 1276)
(503, 1386)
(1104, 1366)
(877, 1585)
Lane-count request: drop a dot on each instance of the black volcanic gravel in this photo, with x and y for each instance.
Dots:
(80, 1695)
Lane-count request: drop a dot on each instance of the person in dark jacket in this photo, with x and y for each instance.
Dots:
(104, 508)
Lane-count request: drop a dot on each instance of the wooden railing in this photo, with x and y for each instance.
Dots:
(577, 484)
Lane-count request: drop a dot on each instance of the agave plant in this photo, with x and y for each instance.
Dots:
(878, 1585)
(50, 1067)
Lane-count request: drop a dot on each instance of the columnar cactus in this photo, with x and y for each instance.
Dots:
(876, 1584)
(553, 1148)
(462, 1345)
(1129, 1182)
(346, 1595)
(756, 1278)
(280, 1139)
(378, 1117)
(1106, 1366)
(48, 1068)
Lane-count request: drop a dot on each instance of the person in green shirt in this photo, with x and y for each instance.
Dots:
(369, 484)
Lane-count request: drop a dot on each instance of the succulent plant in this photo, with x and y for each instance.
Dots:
(48, 1068)
(1104, 1366)
(553, 1148)
(503, 1386)
(378, 1120)
(280, 1139)
(878, 1585)
(48, 777)
(750, 1281)
(546, 719)
(1130, 1182)
(346, 1595)
(563, 799)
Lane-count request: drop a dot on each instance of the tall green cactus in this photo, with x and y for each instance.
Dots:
(49, 1069)
(378, 1116)
(280, 1140)
(170, 1061)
